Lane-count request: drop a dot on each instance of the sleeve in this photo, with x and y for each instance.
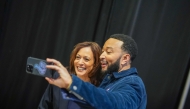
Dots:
(125, 97)
(46, 100)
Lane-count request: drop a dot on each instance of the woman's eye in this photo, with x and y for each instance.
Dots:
(77, 57)
(86, 59)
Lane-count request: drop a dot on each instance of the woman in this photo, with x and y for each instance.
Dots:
(87, 53)
(84, 63)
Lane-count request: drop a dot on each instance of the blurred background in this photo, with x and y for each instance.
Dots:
(51, 28)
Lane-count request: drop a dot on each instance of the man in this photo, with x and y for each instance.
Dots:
(121, 88)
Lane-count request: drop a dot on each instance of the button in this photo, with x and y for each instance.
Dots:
(74, 87)
(108, 77)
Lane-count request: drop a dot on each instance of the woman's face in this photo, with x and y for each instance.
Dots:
(84, 61)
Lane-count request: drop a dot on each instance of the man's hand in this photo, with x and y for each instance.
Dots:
(64, 80)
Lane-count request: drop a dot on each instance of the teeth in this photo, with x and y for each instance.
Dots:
(80, 68)
(103, 62)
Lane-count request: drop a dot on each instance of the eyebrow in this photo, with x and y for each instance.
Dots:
(108, 48)
(84, 56)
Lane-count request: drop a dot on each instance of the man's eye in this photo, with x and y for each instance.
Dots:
(108, 52)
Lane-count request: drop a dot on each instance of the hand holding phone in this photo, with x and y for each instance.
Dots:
(37, 67)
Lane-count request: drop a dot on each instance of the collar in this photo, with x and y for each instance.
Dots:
(127, 72)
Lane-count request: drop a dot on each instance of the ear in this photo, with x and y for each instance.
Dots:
(125, 59)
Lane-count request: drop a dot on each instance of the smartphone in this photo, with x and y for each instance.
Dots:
(37, 67)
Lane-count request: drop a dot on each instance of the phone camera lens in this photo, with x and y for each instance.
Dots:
(29, 68)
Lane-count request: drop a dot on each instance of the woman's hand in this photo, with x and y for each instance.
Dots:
(64, 80)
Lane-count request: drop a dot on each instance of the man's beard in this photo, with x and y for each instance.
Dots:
(112, 68)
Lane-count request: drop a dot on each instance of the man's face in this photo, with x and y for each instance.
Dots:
(111, 55)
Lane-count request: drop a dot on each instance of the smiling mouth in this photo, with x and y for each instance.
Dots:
(80, 69)
(104, 64)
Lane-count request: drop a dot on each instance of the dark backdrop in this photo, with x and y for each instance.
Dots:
(50, 28)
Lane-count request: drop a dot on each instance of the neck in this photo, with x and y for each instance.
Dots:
(124, 68)
(84, 78)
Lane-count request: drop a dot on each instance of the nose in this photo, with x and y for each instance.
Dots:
(102, 56)
(81, 61)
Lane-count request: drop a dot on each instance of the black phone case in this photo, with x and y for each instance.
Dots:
(37, 67)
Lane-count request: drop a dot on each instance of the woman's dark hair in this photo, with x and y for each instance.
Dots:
(94, 74)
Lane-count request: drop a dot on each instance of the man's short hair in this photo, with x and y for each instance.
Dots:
(129, 44)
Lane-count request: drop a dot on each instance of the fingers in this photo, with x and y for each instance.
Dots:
(54, 67)
(55, 62)
(57, 82)
(50, 80)
(64, 79)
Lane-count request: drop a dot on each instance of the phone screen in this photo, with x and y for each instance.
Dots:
(37, 67)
